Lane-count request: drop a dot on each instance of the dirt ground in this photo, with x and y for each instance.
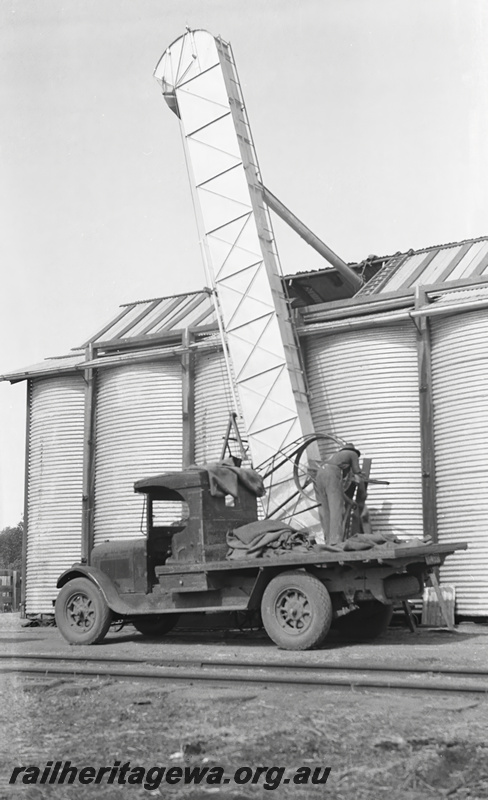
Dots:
(378, 745)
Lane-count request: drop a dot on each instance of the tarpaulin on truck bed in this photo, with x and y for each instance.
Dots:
(366, 541)
(266, 538)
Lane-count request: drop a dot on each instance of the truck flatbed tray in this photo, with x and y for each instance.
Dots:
(323, 558)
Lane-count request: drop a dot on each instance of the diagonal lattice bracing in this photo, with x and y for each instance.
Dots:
(200, 83)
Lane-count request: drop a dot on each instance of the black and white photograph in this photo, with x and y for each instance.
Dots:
(243, 399)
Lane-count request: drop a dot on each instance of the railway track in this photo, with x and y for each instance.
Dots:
(360, 676)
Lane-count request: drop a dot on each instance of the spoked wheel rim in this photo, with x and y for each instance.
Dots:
(303, 480)
(80, 612)
(293, 611)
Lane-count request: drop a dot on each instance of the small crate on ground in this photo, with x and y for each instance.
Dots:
(432, 614)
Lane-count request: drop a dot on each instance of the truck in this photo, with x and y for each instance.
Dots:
(180, 566)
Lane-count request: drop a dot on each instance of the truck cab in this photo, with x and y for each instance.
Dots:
(185, 524)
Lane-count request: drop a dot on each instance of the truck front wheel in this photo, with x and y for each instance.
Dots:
(296, 610)
(81, 612)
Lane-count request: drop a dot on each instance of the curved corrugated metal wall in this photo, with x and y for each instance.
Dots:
(212, 405)
(55, 479)
(138, 434)
(460, 394)
(364, 388)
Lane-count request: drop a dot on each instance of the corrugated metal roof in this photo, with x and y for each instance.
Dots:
(442, 264)
(326, 285)
(158, 316)
(50, 366)
(467, 295)
(134, 321)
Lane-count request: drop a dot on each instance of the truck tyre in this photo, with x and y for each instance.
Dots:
(81, 612)
(155, 624)
(367, 622)
(296, 610)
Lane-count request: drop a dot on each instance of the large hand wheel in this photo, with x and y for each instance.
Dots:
(296, 610)
(302, 473)
(81, 612)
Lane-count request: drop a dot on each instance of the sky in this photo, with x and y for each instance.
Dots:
(369, 117)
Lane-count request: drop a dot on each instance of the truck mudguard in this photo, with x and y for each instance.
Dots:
(97, 577)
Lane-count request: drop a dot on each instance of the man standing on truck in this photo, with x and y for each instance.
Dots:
(339, 469)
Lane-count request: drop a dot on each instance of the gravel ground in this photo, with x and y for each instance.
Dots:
(378, 745)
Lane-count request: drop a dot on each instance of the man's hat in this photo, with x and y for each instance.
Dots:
(350, 446)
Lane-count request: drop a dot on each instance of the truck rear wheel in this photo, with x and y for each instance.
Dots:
(367, 622)
(81, 612)
(296, 610)
(155, 624)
